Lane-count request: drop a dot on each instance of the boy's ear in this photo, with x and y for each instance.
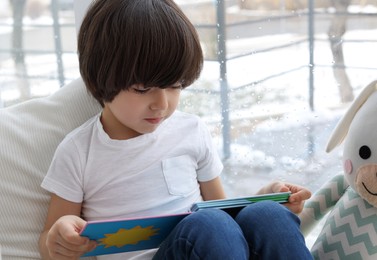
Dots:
(341, 130)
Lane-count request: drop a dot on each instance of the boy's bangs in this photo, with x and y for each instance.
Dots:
(168, 65)
(148, 42)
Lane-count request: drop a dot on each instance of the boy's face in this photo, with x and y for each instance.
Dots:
(139, 110)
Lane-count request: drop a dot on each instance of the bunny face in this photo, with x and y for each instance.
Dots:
(360, 151)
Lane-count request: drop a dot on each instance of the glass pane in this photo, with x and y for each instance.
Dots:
(38, 48)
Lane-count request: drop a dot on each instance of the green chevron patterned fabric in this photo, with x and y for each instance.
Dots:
(327, 196)
(350, 231)
(322, 202)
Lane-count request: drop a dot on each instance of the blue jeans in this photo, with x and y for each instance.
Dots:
(263, 230)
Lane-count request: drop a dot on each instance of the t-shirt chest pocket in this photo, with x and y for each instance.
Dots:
(180, 175)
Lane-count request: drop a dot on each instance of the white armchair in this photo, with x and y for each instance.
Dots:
(29, 134)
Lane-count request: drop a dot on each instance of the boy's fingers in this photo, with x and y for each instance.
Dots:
(300, 196)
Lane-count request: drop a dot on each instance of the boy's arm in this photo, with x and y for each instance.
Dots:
(212, 190)
(60, 237)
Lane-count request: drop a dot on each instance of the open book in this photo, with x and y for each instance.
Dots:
(124, 235)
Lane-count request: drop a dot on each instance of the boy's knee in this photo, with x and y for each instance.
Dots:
(208, 219)
(265, 211)
(206, 234)
(208, 224)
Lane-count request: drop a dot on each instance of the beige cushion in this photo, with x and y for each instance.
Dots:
(29, 134)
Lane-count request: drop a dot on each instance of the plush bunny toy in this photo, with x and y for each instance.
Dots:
(350, 229)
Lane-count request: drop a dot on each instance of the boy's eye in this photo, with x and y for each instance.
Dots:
(178, 86)
(140, 89)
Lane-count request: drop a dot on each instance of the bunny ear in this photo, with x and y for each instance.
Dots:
(343, 125)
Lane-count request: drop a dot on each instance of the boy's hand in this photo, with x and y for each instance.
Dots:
(296, 199)
(63, 239)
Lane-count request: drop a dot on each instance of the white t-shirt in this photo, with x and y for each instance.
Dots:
(152, 174)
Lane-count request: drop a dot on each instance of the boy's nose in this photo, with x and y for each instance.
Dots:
(160, 100)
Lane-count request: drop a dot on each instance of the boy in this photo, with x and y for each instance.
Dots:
(141, 157)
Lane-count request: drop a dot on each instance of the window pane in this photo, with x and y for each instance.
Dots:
(38, 48)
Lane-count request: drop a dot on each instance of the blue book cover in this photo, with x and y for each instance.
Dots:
(117, 236)
(125, 235)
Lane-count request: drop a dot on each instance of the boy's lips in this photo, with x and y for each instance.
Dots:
(154, 120)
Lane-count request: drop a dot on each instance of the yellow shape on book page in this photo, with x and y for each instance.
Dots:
(128, 236)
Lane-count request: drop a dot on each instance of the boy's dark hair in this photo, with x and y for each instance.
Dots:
(126, 42)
